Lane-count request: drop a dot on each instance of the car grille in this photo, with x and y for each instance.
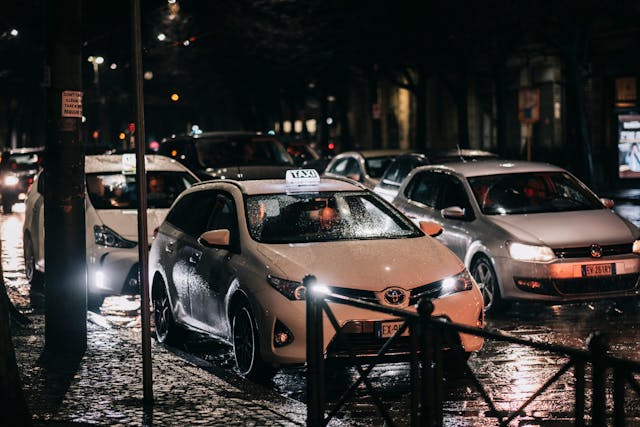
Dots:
(595, 285)
(368, 296)
(585, 252)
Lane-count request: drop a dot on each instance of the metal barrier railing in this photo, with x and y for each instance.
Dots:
(427, 337)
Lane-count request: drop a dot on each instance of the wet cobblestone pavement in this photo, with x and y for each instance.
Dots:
(196, 384)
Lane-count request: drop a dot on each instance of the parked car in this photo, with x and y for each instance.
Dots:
(400, 167)
(526, 231)
(111, 221)
(229, 155)
(305, 155)
(365, 167)
(18, 167)
(230, 257)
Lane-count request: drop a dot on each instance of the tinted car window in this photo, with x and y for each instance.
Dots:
(400, 168)
(377, 165)
(223, 215)
(452, 193)
(424, 188)
(339, 167)
(191, 214)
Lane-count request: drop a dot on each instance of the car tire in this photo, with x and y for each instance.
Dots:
(95, 301)
(34, 277)
(486, 277)
(246, 346)
(167, 331)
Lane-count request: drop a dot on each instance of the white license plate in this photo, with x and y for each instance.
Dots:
(387, 329)
(594, 270)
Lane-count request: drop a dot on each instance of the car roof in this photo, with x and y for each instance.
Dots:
(374, 153)
(494, 167)
(218, 134)
(115, 163)
(277, 186)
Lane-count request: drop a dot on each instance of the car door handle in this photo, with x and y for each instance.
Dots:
(169, 248)
(195, 257)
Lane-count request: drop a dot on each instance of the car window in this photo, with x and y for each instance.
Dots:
(192, 213)
(452, 193)
(223, 215)
(533, 192)
(400, 168)
(294, 218)
(339, 167)
(241, 151)
(118, 190)
(376, 166)
(424, 188)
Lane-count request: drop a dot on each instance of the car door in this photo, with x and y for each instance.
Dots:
(213, 270)
(456, 230)
(420, 196)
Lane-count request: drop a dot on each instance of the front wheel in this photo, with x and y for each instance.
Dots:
(246, 347)
(34, 277)
(167, 331)
(487, 279)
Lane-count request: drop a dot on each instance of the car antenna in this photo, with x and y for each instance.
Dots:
(460, 154)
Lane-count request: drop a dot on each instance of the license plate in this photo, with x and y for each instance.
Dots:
(591, 270)
(387, 329)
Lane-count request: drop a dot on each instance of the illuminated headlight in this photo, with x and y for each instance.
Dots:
(531, 253)
(290, 289)
(458, 283)
(636, 247)
(11, 180)
(100, 279)
(105, 236)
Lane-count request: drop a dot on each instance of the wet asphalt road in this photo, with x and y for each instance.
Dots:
(509, 373)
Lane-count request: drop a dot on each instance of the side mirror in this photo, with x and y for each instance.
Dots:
(215, 238)
(608, 203)
(431, 228)
(453, 212)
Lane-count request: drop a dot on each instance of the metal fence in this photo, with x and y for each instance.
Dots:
(428, 337)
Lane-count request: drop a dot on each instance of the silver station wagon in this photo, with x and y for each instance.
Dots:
(526, 231)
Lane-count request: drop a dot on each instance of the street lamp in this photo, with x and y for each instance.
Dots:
(96, 61)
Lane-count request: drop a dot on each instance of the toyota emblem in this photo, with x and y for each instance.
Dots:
(395, 296)
(596, 250)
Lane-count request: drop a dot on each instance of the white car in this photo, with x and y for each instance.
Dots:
(230, 256)
(111, 219)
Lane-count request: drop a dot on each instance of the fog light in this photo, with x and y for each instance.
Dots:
(281, 335)
(529, 284)
(100, 280)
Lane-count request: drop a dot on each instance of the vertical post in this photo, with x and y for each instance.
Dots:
(618, 397)
(141, 177)
(64, 202)
(598, 348)
(414, 339)
(315, 356)
(578, 373)
(425, 308)
(438, 386)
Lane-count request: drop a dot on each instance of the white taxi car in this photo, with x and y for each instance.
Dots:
(111, 219)
(230, 256)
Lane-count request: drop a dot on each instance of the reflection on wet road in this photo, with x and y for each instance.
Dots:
(510, 373)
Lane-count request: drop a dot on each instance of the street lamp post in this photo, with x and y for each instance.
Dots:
(103, 121)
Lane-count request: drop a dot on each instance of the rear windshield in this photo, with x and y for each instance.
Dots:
(322, 217)
(117, 190)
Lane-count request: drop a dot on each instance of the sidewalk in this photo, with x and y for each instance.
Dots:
(105, 386)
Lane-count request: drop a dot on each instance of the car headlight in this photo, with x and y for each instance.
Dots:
(531, 253)
(107, 237)
(458, 283)
(290, 289)
(11, 180)
(636, 247)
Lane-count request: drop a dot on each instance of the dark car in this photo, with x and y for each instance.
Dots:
(305, 154)
(231, 155)
(18, 167)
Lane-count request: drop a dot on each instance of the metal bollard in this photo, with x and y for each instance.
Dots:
(315, 356)
(425, 308)
(598, 347)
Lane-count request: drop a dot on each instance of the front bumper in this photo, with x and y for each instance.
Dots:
(464, 307)
(112, 271)
(569, 280)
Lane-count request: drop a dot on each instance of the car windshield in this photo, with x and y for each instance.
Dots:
(241, 151)
(377, 165)
(323, 217)
(533, 192)
(117, 190)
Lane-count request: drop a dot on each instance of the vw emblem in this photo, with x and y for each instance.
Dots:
(394, 296)
(596, 250)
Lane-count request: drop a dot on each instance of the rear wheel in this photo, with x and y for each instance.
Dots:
(486, 277)
(34, 277)
(246, 347)
(167, 331)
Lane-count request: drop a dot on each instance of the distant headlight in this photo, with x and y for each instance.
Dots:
(458, 283)
(290, 289)
(107, 237)
(531, 253)
(11, 180)
(636, 247)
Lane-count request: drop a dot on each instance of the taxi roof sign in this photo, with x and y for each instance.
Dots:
(296, 177)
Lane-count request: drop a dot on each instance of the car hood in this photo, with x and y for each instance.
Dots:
(365, 264)
(125, 221)
(248, 172)
(568, 229)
